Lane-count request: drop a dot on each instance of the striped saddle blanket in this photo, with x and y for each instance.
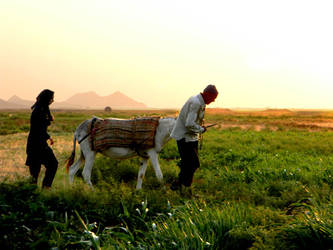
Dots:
(135, 133)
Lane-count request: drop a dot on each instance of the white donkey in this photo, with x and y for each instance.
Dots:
(162, 136)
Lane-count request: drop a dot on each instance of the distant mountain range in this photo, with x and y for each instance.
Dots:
(88, 100)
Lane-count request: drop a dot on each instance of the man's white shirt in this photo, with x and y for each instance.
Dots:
(189, 120)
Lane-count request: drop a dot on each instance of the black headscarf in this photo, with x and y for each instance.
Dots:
(43, 102)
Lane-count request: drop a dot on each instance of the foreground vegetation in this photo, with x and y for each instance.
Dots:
(267, 189)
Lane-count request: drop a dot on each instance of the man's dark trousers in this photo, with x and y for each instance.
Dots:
(188, 152)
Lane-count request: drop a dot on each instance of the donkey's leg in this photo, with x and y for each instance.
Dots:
(75, 167)
(86, 173)
(154, 160)
(142, 171)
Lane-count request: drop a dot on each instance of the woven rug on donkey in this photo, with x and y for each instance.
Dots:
(135, 133)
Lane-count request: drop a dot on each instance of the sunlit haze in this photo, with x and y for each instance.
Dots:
(259, 54)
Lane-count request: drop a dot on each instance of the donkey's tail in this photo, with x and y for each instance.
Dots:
(70, 160)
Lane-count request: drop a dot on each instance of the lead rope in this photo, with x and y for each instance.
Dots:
(201, 136)
(91, 130)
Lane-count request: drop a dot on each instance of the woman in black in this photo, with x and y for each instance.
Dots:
(38, 150)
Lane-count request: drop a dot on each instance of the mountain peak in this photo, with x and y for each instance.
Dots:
(19, 101)
(93, 100)
(10, 105)
(117, 93)
(14, 98)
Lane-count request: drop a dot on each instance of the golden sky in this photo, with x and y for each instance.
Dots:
(259, 53)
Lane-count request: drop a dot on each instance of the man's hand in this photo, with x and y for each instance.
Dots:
(205, 129)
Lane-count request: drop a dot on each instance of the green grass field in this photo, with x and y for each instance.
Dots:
(265, 182)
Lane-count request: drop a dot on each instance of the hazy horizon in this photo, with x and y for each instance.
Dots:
(259, 54)
(159, 108)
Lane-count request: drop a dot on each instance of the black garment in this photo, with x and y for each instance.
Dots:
(188, 152)
(39, 121)
(47, 158)
(38, 151)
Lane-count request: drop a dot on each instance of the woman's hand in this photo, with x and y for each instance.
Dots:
(51, 141)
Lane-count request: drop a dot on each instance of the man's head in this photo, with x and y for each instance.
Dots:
(209, 94)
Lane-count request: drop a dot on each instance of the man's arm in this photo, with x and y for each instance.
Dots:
(191, 119)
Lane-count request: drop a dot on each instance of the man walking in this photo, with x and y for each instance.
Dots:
(186, 132)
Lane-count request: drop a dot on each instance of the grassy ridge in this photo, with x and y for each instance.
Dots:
(254, 189)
